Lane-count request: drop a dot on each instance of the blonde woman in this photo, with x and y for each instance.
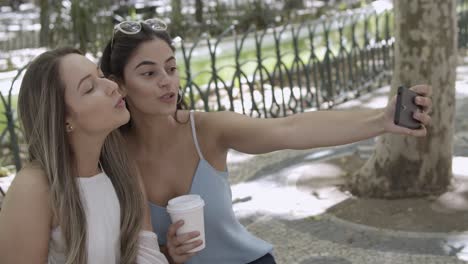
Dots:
(79, 199)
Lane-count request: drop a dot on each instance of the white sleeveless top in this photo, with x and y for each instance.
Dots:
(102, 209)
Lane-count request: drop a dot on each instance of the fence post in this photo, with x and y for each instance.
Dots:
(11, 122)
(327, 58)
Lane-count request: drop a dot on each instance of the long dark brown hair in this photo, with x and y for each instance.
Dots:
(122, 46)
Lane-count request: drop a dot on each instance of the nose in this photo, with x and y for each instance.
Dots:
(165, 80)
(110, 87)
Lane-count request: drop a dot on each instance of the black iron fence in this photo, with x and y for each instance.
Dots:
(285, 70)
(273, 72)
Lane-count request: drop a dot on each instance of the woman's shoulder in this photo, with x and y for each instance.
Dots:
(34, 172)
(30, 181)
(212, 119)
(201, 118)
(26, 215)
(183, 116)
(28, 191)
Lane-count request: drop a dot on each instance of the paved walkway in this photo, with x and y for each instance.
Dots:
(268, 199)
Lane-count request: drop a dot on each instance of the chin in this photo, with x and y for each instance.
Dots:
(173, 108)
(126, 119)
(167, 110)
(123, 119)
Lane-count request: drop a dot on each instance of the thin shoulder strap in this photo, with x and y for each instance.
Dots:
(194, 134)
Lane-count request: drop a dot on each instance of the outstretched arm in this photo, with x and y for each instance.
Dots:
(313, 129)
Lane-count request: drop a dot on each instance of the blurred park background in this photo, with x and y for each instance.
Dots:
(261, 58)
(393, 199)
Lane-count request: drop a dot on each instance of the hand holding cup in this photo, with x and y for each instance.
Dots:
(178, 246)
(186, 235)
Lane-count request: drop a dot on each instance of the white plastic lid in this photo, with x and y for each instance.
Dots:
(185, 202)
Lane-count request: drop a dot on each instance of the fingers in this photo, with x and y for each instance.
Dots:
(178, 245)
(423, 117)
(424, 102)
(184, 248)
(183, 238)
(422, 89)
(181, 253)
(422, 132)
(171, 232)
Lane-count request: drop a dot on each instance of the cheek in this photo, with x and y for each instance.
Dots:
(141, 94)
(142, 88)
(176, 79)
(91, 112)
(95, 114)
(141, 101)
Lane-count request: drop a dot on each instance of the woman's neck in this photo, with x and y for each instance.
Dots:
(86, 153)
(153, 133)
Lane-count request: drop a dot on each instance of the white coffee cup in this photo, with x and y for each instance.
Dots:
(190, 209)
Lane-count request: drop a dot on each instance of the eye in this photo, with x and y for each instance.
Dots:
(150, 73)
(172, 69)
(89, 90)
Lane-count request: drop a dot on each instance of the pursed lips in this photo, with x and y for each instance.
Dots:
(120, 102)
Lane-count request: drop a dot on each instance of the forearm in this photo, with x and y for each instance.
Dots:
(331, 128)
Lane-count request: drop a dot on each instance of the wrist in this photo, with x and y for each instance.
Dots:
(380, 121)
(164, 250)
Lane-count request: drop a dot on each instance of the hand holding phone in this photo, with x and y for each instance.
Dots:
(405, 108)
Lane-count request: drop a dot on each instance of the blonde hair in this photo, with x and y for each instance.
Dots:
(42, 112)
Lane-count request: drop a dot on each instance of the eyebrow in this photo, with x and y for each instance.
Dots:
(145, 63)
(82, 79)
(170, 58)
(152, 62)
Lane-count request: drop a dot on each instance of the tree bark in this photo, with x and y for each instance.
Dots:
(176, 21)
(425, 53)
(45, 23)
(294, 4)
(199, 11)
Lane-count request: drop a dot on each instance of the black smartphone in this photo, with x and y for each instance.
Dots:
(405, 108)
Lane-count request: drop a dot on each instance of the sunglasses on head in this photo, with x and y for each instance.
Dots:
(134, 27)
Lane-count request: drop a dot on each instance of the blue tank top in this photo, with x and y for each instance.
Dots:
(227, 240)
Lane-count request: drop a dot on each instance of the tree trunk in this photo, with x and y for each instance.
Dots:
(199, 11)
(45, 23)
(176, 23)
(425, 53)
(294, 4)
